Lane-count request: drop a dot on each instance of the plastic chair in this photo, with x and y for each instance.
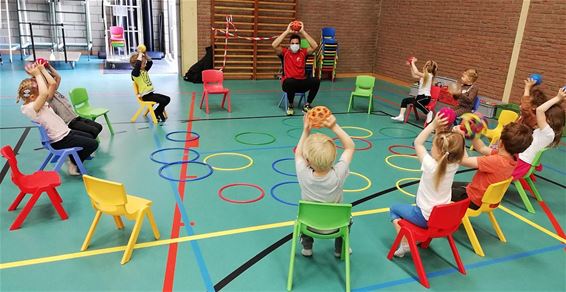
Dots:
(322, 216)
(285, 102)
(117, 37)
(527, 178)
(431, 106)
(58, 155)
(443, 222)
(491, 199)
(212, 84)
(111, 198)
(476, 104)
(506, 117)
(34, 184)
(328, 34)
(145, 107)
(79, 99)
(364, 88)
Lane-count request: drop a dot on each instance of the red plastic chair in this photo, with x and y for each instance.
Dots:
(34, 184)
(212, 84)
(431, 106)
(443, 222)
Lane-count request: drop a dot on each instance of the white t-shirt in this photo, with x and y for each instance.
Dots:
(427, 195)
(328, 188)
(424, 89)
(46, 117)
(541, 138)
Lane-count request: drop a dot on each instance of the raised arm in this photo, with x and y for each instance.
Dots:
(439, 121)
(414, 71)
(54, 74)
(137, 65)
(541, 110)
(345, 139)
(42, 87)
(51, 83)
(304, 135)
(277, 42)
(312, 43)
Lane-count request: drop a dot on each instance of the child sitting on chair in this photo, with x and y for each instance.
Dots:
(319, 178)
(546, 117)
(63, 108)
(495, 166)
(439, 168)
(423, 96)
(34, 91)
(142, 63)
(466, 92)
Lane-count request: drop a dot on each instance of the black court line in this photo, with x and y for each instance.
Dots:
(16, 149)
(551, 181)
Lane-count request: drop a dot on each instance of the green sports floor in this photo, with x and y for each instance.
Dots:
(213, 244)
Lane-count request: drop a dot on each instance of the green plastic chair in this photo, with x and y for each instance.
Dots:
(79, 99)
(527, 178)
(322, 216)
(364, 88)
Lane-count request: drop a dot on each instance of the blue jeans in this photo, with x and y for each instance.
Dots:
(410, 213)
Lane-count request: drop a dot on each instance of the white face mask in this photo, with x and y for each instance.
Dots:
(294, 48)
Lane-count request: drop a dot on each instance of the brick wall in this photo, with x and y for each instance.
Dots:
(544, 47)
(354, 25)
(74, 34)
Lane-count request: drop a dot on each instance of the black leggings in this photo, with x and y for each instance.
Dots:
(419, 102)
(292, 86)
(459, 194)
(77, 139)
(85, 125)
(162, 101)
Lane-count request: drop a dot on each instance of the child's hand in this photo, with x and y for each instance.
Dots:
(32, 69)
(440, 120)
(40, 67)
(330, 122)
(413, 60)
(529, 83)
(561, 94)
(457, 129)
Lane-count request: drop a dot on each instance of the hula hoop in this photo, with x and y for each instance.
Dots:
(369, 132)
(360, 189)
(272, 193)
(241, 201)
(397, 184)
(251, 161)
(259, 133)
(399, 167)
(195, 136)
(174, 148)
(184, 162)
(364, 140)
(279, 171)
(284, 121)
(397, 137)
(390, 148)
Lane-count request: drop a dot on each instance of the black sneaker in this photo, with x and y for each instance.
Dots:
(290, 111)
(307, 107)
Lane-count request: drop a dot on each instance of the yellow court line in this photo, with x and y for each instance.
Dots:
(101, 251)
(544, 230)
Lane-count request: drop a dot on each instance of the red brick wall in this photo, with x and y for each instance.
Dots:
(355, 28)
(458, 35)
(544, 47)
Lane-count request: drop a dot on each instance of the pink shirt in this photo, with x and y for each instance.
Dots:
(46, 117)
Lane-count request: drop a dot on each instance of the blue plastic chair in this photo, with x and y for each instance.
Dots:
(285, 102)
(328, 34)
(476, 104)
(58, 155)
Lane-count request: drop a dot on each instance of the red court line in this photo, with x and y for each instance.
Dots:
(553, 220)
(172, 253)
(386, 100)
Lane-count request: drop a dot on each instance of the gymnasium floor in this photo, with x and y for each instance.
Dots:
(245, 247)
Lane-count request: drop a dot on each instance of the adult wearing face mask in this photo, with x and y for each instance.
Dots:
(294, 58)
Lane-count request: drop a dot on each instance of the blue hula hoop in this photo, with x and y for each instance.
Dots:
(272, 193)
(151, 156)
(184, 162)
(279, 171)
(195, 135)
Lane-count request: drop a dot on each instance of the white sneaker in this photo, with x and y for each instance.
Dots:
(429, 117)
(398, 118)
(402, 250)
(73, 169)
(306, 252)
(339, 254)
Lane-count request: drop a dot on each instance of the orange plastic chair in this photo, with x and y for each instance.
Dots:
(212, 84)
(490, 201)
(111, 198)
(443, 222)
(145, 107)
(34, 184)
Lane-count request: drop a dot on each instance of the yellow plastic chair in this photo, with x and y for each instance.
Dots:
(110, 198)
(506, 117)
(144, 105)
(491, 199)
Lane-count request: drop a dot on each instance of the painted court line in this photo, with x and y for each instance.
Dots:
(529, 222)
(190, 238)
(448, 271)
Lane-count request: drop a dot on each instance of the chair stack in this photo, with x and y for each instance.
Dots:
(327, 56)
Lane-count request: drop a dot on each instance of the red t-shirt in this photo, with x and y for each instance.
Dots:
(491, 169)
(294, 63)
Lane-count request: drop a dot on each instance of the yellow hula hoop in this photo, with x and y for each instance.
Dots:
(251, 161)
(402, 190)
(399, 167)
(370, 133)
(360, 189)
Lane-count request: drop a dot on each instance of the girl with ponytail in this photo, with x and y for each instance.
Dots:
(435, 187)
